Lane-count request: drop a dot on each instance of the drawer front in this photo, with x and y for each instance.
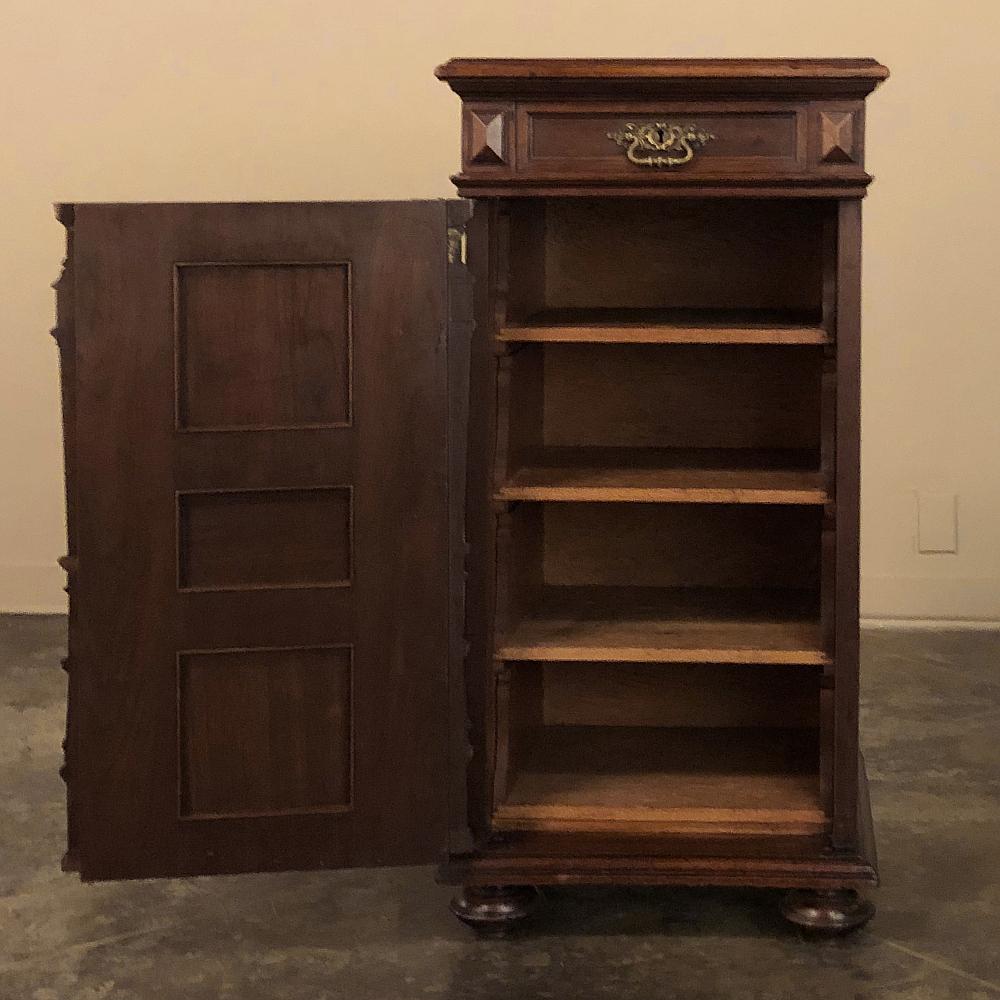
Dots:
(647, 139)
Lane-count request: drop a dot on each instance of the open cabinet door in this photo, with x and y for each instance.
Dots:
(256, 409)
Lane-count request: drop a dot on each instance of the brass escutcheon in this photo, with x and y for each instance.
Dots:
(667, 144)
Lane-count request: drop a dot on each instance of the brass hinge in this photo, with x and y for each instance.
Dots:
(456, 244)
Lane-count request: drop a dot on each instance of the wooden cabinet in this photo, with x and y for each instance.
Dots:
(519, 534)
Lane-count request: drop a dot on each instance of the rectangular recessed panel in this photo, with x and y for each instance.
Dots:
(264, 731)
(250, 539)
(263, 345)
(574, 137)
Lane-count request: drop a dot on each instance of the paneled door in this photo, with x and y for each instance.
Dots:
(257, 436)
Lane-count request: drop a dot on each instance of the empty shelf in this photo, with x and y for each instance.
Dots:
(667, 326)
(667, 475)
(669, 625)
(664, 780)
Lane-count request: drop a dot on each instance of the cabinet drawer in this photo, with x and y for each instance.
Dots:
(649, 139)
(762, 128)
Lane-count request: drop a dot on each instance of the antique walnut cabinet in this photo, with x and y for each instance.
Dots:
(517, 533)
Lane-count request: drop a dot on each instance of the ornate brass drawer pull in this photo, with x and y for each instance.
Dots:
(677, 142)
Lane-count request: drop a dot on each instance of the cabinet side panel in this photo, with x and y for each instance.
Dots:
(462, 228)
(64, 333)
(848, 462)
(480, 517)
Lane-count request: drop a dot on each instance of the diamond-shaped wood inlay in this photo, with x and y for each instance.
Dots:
(486, 137)
(836, 130)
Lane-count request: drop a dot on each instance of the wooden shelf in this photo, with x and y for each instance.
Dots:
(667, 475)
(655, 779)
(667, 326)
(669, 625)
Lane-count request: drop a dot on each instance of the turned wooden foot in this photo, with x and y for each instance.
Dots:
(494, 909)
(827, 912)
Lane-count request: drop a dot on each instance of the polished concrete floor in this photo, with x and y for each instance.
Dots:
(931, 730)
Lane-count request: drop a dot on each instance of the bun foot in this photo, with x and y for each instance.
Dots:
(494, 910)
(827, 912)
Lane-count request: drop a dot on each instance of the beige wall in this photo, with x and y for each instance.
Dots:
(224, 100)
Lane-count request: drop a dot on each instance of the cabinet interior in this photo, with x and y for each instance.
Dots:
(680, 582)
(584, 420)
(753, 269)
(664, 433)
(686, 749)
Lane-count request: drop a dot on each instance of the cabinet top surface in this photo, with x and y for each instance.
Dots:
(799, 76)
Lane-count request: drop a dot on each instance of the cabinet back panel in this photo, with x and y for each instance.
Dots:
(691, 254)
(681, 545)
(708, 695)
(682, 396)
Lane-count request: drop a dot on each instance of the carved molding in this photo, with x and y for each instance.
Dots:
(486, 137)
(68, 564)
(836, 130)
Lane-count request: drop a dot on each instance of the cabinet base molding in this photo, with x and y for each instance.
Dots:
(494, 909)
(767, 873)
(805, 863)
(827, 911)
